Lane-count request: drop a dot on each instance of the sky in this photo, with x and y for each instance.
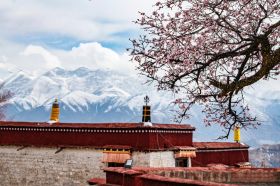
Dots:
(39, 35)
(36, 36)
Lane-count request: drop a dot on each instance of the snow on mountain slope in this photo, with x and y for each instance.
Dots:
(82, 90)
(264, 101)
(82, 99)
(265, 156)
(107, 96)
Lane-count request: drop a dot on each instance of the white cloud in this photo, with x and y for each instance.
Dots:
(34, 59)
(94, 52)
(51, 60)
(83, 20)
(94, 56)
(31, 30)
(23, 23)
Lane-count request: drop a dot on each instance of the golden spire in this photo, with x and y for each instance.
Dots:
(55, 111)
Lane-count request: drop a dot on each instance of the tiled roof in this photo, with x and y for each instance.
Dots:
(219, 145)
(96, 125)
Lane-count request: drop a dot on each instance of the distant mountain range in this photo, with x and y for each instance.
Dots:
(266, 156)
(84, 96)
(106, 96)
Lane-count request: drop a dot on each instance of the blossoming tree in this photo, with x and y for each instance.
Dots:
(209, 51)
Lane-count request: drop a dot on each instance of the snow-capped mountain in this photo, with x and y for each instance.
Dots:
(107, 96)
(84, 96)
(266, 156)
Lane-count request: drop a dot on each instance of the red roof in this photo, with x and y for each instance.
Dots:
(96, 125)
(219, 145)
(164, 180)
(95, 181)
(182, 148)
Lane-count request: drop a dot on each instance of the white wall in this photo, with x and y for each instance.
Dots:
(154, 159)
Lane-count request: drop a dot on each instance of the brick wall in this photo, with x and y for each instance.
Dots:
(42, 166)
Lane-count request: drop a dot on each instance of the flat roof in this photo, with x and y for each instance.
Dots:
(219, 145)
(96, 125)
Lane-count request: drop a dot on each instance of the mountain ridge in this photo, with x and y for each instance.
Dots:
(106, 96)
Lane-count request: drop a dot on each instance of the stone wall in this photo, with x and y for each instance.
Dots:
(154, 159)
(162, 159)
(140, 159)
(143, 176)
(222, 175)
(67, 166)
(43, 166)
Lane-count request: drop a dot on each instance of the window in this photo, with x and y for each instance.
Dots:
(181, 162)
(113, 164)
(115, 157)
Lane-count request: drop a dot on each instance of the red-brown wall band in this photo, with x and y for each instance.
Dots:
(138, 141)
(227, 157)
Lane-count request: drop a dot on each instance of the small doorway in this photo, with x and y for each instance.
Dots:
(182, 162)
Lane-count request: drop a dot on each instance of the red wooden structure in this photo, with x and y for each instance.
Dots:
(219, 153)
(136, 136)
